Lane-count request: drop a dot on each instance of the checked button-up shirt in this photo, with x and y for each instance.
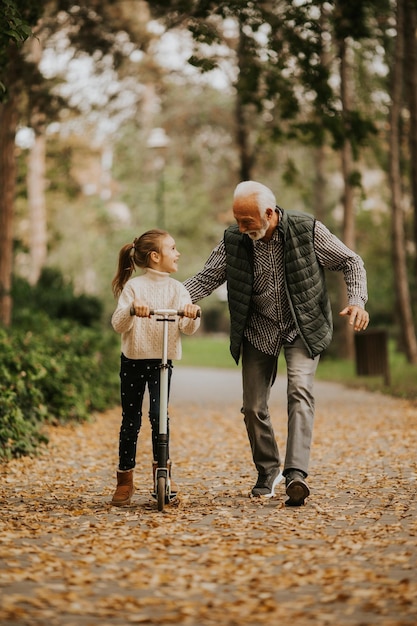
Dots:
(270, 322)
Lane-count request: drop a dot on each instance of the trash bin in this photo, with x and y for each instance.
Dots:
(371, 353)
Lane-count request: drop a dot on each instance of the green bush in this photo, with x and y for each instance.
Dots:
(56, 372)
(18, 436)
(56, 297)
(57, 362)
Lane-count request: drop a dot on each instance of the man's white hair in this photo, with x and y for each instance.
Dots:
(264, 196)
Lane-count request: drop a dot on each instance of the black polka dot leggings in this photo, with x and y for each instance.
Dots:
(135, 374)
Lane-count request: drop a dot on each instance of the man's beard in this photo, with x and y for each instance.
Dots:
(255, 235)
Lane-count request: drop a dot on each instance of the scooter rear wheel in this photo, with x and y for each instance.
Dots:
(161, 492)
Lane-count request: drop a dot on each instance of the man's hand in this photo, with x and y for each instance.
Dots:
(358, 317)
(191, 310)
(140, 309)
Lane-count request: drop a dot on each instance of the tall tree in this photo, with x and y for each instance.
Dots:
(8, 124)
(343, 31)
(282, 85)
(410, 73)
(16, 19)
(273, 50)
(91, 26)
(36, 170)
(402, 291)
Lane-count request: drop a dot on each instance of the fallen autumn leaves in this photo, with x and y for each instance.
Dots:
(216, 556)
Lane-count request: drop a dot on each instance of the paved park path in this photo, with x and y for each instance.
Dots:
(216, 556)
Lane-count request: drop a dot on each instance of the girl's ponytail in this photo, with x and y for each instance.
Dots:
(125, 269)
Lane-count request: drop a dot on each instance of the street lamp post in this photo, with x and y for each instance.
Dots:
(158, 141)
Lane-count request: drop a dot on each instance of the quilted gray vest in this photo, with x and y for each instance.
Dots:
(304, 281)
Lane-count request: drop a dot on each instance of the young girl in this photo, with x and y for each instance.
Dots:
(141, 340)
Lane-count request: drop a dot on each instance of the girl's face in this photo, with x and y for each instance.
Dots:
(168, 257)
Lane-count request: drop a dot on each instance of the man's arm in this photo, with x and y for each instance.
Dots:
(334, 255)
(210, 277)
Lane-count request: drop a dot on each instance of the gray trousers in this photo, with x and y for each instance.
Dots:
(259, 371)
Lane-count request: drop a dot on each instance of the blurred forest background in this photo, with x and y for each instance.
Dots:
(121, 115)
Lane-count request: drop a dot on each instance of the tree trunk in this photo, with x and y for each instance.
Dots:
(37, 205)
(245, 161)
(242, 131)
(319, 201)
(36, 165)
(348, 234)
(319, 189)
(410, 70)
(398, 239)
(8, 124)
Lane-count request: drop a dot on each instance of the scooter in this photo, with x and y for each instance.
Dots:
(163, 492)
(162, 477)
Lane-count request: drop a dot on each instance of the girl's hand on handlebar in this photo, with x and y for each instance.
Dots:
(192, 311)
(140, 309)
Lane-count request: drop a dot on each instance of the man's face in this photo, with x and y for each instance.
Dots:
(248, 218)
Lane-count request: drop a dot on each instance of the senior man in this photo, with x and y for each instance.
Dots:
(273, 262)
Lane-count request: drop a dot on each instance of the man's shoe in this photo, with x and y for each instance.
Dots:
(296, 488)
(266, 483)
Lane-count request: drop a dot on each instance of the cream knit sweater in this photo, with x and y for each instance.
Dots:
(142, 336)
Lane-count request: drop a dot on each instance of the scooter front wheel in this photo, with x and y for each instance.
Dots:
(161, 487)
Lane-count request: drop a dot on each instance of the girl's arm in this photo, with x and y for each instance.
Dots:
(121, 320)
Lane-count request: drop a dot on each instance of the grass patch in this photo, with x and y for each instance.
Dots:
(206, 351)
(213, 351)
(403, 376)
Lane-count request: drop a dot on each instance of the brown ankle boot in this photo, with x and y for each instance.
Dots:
(124, 490)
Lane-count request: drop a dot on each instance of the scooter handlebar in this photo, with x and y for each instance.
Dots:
(165, 312)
